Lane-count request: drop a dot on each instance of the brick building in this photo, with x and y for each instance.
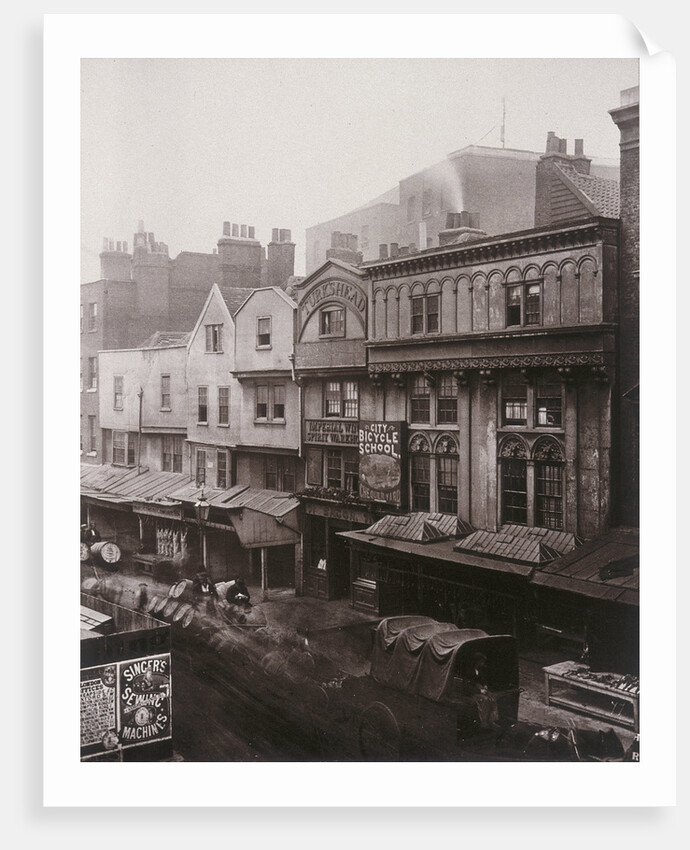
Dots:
(146, 291)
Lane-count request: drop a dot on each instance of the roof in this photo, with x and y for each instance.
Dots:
(520, 543)
(421, 527)
(269, 502)
(602, 194)
(442, 550)
(166, 339)
(606, 567)
(123, 484)
(235, 296)
(281, 293)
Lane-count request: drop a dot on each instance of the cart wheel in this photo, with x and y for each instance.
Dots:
(379, 734)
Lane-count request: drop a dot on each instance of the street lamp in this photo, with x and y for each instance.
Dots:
(202, 509)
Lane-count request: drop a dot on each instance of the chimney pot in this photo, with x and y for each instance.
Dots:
(403, 250)
(251, 231)
(119, 246)
(394, 249)
(579, 147)
(413, 247)
(383, 252)
(235, 230)
(284, 235)
(275, 235)
(226, 228)
(125, 247)
(563, 146)
(464, 219)
(243, 231)
(474, 220)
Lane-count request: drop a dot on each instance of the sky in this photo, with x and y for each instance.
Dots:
(186, 144)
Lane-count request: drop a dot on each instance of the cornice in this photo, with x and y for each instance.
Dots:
(524, 244)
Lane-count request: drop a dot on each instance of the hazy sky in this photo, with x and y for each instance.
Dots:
(185, 144)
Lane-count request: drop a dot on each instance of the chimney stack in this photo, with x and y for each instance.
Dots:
(460, 227)
(394, 249)
(383, 252)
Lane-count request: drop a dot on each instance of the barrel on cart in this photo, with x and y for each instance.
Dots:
(106, 554)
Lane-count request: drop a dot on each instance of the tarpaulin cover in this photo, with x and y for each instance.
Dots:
(419, 658)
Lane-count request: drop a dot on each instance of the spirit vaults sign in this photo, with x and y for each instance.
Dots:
(381, 468)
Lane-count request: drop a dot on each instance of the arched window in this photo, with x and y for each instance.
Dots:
(548, 474)
(420, 473)
(447, 475)
(514, 481)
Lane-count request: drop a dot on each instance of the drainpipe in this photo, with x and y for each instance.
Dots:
(140, 396)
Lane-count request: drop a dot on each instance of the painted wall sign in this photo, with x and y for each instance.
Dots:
(330, 432)
(340, 290)
(380, 461)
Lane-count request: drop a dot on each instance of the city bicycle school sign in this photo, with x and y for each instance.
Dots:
(381, 469)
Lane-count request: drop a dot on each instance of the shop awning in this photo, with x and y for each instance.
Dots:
(129, 485)
(606, 567)
(260, 518)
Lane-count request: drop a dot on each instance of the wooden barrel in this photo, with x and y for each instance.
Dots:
(176, 590)
(153, 603)
(181, 611)
(170, 608)
(90, 584)
(84, 553)
(106, 553)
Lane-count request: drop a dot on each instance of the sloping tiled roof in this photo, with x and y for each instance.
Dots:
(602, 193)
(606, 567)
(166, 339)
(520, 543)
(421, 527)
(235, 296)
(123, 484)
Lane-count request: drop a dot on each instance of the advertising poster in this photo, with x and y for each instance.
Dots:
(380, 461)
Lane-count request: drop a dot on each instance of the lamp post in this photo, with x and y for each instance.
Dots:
(202, 509)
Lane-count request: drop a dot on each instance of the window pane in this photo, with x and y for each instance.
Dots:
(352, 474)
(200, 467)
(515, 403)
(514, 306)
(549, 404)
(223, 405)
(178, 445)
(432, 314)
(262, 402)
(279, 402)
(263, 331)
(271, 473)
(334, 476)
(419, 479)
(533, 305)
(514, 487)
(202, 414)
(549, 487)
(131, 460)
(418, 315)
(332, 406)
(165, 391)
(119, 447)
(447, 471)
(420, 402)
(350, 399)
(222, 470)
(447, 404)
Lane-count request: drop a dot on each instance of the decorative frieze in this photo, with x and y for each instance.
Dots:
(562, 362)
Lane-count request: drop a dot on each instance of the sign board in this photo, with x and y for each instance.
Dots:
(381, 468)
(330, 432)
(126, 704)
